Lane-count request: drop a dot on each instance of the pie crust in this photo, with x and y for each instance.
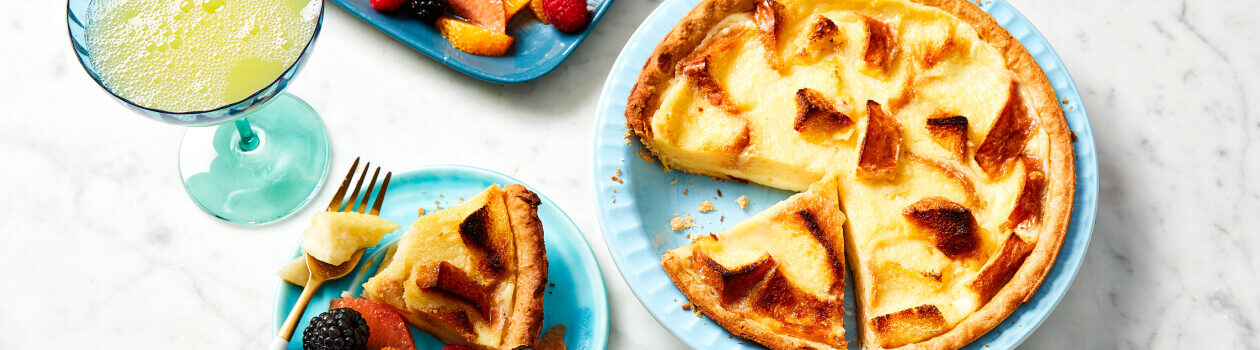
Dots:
(1057, 170)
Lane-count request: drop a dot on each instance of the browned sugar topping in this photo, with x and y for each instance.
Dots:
(475, 232)
(881, 43)
(1008, 136)
(951, 224)
(950, 132)
(453, 283)
(814, 111)
(881, 147)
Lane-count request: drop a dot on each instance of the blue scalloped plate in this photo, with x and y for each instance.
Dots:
(636, 226)
(539, 48)
(575, 297)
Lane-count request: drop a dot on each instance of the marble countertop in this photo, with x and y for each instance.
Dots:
(103, 249)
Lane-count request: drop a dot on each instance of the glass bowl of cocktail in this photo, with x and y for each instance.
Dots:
(255, 154)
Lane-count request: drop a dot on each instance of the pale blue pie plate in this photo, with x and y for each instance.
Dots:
(538, 49)
(634, 213)
(575, 296)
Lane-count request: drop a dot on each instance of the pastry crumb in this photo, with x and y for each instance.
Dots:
(438, 208)
(722, 218)
(690, 183)
(675, 182)
(742, 201)
(686, 306)
(719, 192)
(696, 310)
(618, 171)
(706, 207)
(682, 223)
(646, 157)
(421, 211)
(618, 180)
(685, 190)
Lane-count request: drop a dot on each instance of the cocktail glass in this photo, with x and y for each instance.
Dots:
(247, 171)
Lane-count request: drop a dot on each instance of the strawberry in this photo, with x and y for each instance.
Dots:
(569, 16)
(386, 5)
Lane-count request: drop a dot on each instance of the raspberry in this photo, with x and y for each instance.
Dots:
(336, 329)
(568, 16)
(386, 5)
(428, 11)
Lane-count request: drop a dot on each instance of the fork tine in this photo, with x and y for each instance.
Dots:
(380, 196)
(355, 197)
(335, 204)
(362, 206)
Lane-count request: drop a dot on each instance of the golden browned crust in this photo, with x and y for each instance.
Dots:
(1058, 165)
(704, 298)
(525, 322)
(679, 43)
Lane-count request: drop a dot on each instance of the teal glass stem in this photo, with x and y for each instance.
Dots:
(249, 140)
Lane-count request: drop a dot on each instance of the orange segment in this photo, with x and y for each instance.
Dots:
(537, 7)
(514, 6)
(473, 39)
(486, 13)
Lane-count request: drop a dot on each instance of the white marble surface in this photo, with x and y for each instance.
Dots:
(102, 248)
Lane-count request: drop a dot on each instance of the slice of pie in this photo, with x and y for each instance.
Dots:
(471, 274)
(952, 157)
(776, 278)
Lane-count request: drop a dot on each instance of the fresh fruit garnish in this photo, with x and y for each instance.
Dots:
(386, 5)
(568, 16)
(536, 7)
(514, 6)
(428, 11)
(388, 329)
(336, 329)
(489, 14)
(456, 347)
(473, 39)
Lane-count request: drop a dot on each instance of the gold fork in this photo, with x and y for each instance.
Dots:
(320, 271)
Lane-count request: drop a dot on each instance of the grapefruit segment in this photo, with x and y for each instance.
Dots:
(387, 329)
(489, 14)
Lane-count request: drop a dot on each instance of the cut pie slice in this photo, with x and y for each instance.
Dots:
(471, 274)
(776, 278)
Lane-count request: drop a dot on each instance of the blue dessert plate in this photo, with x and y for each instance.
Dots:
(575, 297)
(538, 49)
(635, 211)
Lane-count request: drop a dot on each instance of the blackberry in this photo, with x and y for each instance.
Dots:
(336, 329)
(427, 11)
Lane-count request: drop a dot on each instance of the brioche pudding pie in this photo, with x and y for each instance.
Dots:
(936, 164)
(472, 274)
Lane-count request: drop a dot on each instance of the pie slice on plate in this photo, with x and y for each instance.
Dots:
(471, 274)
(776, 278)
(951, 156)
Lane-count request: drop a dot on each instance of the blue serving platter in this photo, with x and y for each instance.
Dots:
(634, 213)
(538, 49)
(576, 297)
